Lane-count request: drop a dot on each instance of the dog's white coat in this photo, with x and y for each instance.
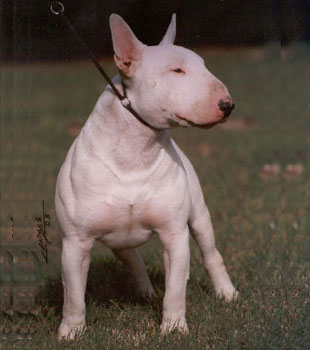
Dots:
(122, 181)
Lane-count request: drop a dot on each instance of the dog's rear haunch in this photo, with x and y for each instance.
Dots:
(123, 180)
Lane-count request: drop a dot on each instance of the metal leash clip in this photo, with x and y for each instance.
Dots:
(59, 7)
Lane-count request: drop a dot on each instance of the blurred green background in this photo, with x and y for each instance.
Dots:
(254, 171)
(29, 31)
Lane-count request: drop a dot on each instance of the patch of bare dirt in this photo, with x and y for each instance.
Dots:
(204, 149)
(293, 170)
(290, 172)
(286, 54)
(270, 170)
(257, 54)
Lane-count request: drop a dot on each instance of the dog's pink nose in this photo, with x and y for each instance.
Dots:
(226, 106)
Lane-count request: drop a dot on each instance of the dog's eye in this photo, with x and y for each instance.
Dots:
(178, 70)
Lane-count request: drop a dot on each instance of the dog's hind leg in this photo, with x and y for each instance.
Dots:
(201, 229)
(133, 260)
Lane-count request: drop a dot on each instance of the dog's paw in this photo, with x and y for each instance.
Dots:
(66, 332)
(228, 295)
(146, 291)
(179, 325)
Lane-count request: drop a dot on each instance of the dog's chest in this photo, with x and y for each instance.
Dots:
(125, 213)
(127, 220)
(122, 205)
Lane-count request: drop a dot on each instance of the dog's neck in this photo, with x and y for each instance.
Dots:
(121, 139)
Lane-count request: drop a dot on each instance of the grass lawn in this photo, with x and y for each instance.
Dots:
(255, 176)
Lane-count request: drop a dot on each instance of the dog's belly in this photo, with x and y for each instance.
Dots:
(123, 239)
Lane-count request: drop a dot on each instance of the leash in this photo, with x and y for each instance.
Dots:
(57, 8)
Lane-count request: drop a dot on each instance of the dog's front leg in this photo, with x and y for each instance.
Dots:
(75, 260)
(176, 255)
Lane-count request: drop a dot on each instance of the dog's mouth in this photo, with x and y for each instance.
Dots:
(224, 120)
(201, 126)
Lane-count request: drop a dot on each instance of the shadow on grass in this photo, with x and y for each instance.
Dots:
(109, 283)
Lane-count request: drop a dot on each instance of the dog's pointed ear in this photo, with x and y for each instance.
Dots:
(127, 48)
(171, 32)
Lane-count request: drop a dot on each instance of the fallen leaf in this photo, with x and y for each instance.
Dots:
(74, 128)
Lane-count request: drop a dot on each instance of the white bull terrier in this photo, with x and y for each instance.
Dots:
(123, 180)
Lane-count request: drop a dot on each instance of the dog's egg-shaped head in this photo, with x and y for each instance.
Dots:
(168, 85)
